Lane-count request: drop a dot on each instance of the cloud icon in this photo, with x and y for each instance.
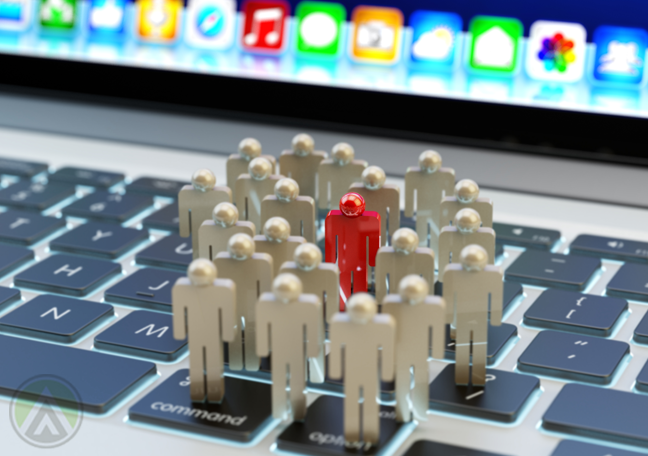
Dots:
(107, 16)
(434, 45)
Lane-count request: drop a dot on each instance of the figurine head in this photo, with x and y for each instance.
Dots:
(259, 168)
(342, 154)
(466, 191)
(405, 240)
(287, 287)
(201, 272)
(241, 246)
(361, 308)
(429, 161)
(474, 258)
(352, 205)
(413, 289)
(308, 256)
(203, 180)
(225, 215)
(373, 177)
(303, 144)
(467, 220)
(276, 229)
(249, 148)
(286, 190)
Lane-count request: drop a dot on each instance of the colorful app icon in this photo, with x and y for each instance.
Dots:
(620, 56)
(58, 14)
(158, 20)
(15, 14)
(376, 36)
(264, 26)
(106, 18)
(319, 28)
(210, 24)
(556, 51)
(494, 45)
(434, 39)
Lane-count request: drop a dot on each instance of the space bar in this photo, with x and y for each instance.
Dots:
(93, 381)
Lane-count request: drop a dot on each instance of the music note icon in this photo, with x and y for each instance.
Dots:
(263, 29)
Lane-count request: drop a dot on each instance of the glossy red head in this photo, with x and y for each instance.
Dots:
(352, 205)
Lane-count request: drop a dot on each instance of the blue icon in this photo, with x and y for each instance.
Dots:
(620, 56)
(434, 40)
(210, 21)
(11, 10)
(107, 17)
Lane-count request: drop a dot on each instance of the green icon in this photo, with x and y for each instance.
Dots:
(58, 14)
(319, 26)
(494, 44)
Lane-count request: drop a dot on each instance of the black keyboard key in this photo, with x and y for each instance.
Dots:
(574, 448)
(56, 318)
(641, 331)
(35, 196)
(612, 248)
(104, 240)
(573, 357)
(575, 312)
(146, 288)
(427, 448)
(8, 296)
(171, 252)
(600, 413)
(502, 399)
(155, 186)
(526, 236)
(165, 219)
(66, 274)
(546, 269)
(513, 291)
(102, 205)
(21, 168)
(88, 177)
(145, 334)
(101, 380)
(12, 257)
(630, 282)
(498, 337)
(245, 411)
(642, 379)
(27, 228)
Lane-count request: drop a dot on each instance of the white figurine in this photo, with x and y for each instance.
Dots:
(299, 211)
(336, 174)
(382, 198)
(289, 324)
(252, 274)
(402, 258)
(251, 188)
(466, 195)
(196, 203)
(366, 338)
(416, 314)
(301, 163)
(204, 309)
(214, 234)
(277, 242)
(237, 164)
(469, 288)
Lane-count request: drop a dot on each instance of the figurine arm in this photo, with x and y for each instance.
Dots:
(263, 325)
(438, 326)
(380, 274)
(264, 271)
(449, 292)
(184, 213)
(314, 326)
(409, 195)
(496, 298)
(335, 350)
(330, 249)
(228, 310)
(322, 191)
(332, 290)
(388, 333)
(394, 209)
(374, 244)
(180, 309)
(426, 265)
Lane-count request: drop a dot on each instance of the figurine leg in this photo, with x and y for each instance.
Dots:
(479, 355)
(420, 393)
(316, 366)
(215, 379)
(252, 360)
(298, 390)
(462, 356)
(345, 289)
(235, 352)
(351, 413)
(370, 414)
(279, 394)
(360, 280)
(422, 229)
(197, 373)
(403, 382)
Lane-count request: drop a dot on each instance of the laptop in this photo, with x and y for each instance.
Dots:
(107, 107)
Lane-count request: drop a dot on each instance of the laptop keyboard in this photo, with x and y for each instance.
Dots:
(99, 234)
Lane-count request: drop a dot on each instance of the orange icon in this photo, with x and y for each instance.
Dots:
(158, 20)
(376, 36)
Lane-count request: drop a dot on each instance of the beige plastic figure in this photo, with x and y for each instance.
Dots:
(464, 231)
(214, 234)
(416, 314)
(322, 280)
(252, 274)
(237, 164)
(336, 174)
(430, 183)
(359, 338)
(196, 203)
(301, 163)
(402, 258)
(277, 242)
(289, 324)
(204, 309)
(251, 188)
(382, 198)
(466, 195)
(299, 211)
(468, 289)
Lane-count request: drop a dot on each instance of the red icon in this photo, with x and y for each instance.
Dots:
(264, 26)
(350, 227)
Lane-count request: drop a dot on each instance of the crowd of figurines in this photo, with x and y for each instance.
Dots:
(274, 295)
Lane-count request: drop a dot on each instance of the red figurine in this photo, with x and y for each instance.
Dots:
(351, 226)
